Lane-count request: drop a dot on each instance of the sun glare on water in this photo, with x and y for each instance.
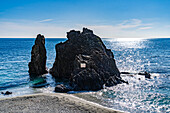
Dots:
(128, 42)
(129, 39)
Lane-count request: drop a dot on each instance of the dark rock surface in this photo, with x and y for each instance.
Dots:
(62, 88)
(146, 74)
(85, 61)
(6, 93)
(37, 66)
(125, 73)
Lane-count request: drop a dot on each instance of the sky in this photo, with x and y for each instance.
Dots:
(107, 18)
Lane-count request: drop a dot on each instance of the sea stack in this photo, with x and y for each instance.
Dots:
(37, 66)
(85, 61)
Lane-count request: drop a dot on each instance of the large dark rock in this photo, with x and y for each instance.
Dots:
(37, 66)
(85, 61)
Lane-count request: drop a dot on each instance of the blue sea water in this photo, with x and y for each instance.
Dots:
(132, 55)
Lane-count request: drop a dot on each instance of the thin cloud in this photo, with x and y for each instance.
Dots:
(46, 20)
(20, 30)
(143, 28)
(108, 31)
(168, 26)
(127, 28)
(133, 23)
(133, 28)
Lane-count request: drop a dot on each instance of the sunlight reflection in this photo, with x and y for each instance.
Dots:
(129, 39)
(129, 42)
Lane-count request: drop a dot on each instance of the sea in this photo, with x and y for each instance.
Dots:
(132, 55)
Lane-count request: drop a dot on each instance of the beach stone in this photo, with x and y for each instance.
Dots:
(85, 61)
(6, 93)
(37, 66)
(61, 88)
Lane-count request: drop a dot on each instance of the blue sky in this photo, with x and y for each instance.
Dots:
(108, 18)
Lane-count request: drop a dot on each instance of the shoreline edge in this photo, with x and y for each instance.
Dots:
(60, 101)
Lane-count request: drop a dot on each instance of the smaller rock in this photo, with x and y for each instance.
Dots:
(125, 73)
(6, 93)
(147, 75)
(62, 88)
(141, 73)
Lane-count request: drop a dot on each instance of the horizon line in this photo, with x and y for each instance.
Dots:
(100, 37)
